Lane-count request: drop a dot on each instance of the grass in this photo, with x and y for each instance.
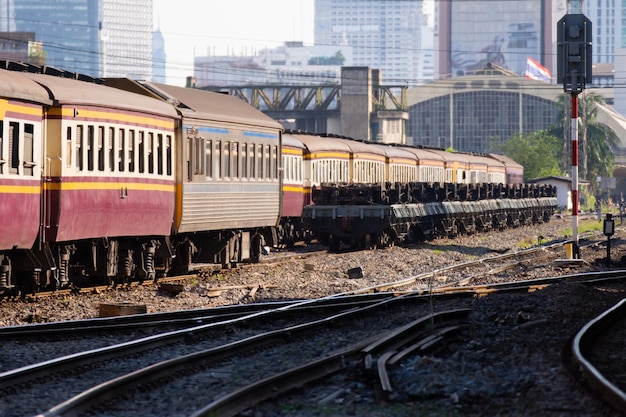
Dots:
(585, 227)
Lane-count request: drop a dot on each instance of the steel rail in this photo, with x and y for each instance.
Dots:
(582, 345)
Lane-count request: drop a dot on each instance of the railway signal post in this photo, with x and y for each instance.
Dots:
(574, 72)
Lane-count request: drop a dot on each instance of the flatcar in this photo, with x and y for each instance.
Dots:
(371, 194)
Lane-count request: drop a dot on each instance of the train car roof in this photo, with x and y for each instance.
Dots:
(289, 140)
(359, 147)
(478, 159)
(316, 143)
(508, 162)
(398, 152)
(17, 85)
(423, 154)
(67, 91)
(200, 104)
(448, 156)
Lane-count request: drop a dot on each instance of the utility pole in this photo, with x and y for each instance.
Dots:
(574, 72)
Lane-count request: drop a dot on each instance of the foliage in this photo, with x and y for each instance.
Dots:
(538, 152)
(337, 59)
(595, 140)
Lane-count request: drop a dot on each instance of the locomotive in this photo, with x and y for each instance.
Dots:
(108, 183)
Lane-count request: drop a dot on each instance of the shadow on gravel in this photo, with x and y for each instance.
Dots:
(453, 247)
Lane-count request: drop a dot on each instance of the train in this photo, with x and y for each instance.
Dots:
(367, 195)
(114, 180)
(107, 181)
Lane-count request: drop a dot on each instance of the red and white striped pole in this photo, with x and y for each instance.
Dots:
(574, 137)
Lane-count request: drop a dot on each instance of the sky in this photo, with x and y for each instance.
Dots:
(227, 27)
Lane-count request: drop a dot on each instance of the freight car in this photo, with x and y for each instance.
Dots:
(110, 183)
(360, 168)
(380, 215)
(370, 194)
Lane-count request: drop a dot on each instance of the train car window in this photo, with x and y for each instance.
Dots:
(14, 147)
(218, 159)
(111, 149)
(80, 163)
(141, 150)
(121, 150)
(29, 153)
(188, 145)
(159, 154)
(168, 154)
(198, 157)
(244, 160)
(314, 172)
(226, 160)
(150, 153)
(268, 162)
(234, 151)
(208, 157)
(252, 161)
(260, 162)
(274, 162)
(100, 148)
(131, 151)
(299, 170)
(90, 147)
(68, 147)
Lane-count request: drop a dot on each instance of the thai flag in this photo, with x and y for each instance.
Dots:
(535, 71)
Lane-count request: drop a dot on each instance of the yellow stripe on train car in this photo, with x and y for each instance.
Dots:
(20, 189)
(293, 189)
(292, 151)
(318, 155)
(67, 186)
(66, 112)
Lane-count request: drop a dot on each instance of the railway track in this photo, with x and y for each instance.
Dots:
(594, 358)
(271, 339)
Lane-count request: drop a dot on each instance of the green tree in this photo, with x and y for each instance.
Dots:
(538, 152)
(595, 140)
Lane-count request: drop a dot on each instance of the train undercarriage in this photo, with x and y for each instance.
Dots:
(119, 261)
(381, 215)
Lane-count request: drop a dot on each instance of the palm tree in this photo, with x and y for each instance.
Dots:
(596, 140)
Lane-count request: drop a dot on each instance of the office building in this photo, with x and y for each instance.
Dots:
(103, 38)
(384, 34)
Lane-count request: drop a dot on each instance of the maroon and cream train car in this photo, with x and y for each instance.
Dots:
(21, 119)
(295, 195)
(109, 181)
(514, 171)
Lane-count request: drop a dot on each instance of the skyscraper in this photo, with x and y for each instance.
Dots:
(103, 38)
(472, 33)
(384, 34)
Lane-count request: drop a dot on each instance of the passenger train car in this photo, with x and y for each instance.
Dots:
(110, 183)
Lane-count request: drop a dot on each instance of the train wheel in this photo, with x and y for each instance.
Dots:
(333, 244)
(383, 240)
(367, 242)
